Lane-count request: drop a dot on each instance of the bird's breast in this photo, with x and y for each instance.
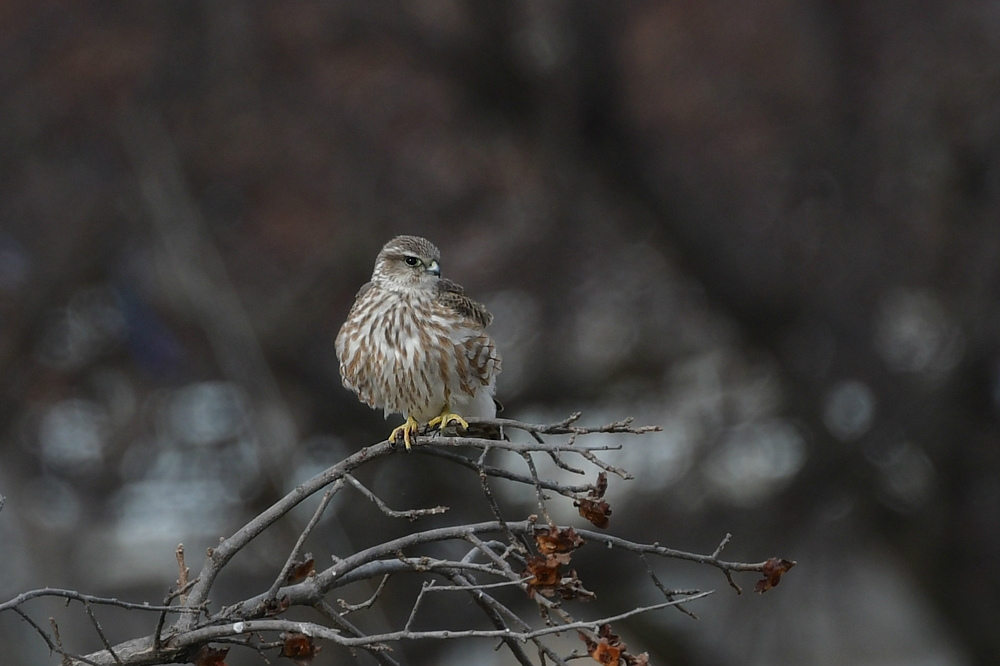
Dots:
(396, 353)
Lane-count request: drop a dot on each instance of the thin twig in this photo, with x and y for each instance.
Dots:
(89, 598)
(500, 473)
(293, 555)
(516, 447)
(378, 651)
(182, 577)
(566, 427)
(416, 604)
(494, 507)
(607, 467)
(406, 565)
(669, 594)
(727, 572)
(41, 632)
(562, 464)
(411, 514)
(350, 608)
(496, 612)
(540, 496)
(100, 633)
(173, 594)
(477, 586)
(58, 639)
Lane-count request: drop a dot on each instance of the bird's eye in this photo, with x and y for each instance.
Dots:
(412, 261)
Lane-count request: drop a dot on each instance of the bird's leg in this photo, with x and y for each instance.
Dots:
(446, 418)
(406, 431)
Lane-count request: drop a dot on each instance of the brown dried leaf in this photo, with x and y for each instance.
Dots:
(604, 653)
(601, 486)
(608, 649)
(300, 648)
(773, 569)
(554, 540)
(544, 570)
(300, 570)
(210, 656)
(596, 511)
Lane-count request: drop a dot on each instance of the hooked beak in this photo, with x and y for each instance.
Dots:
(434, 269)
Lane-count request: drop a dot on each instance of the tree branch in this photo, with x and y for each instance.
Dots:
(521, 554)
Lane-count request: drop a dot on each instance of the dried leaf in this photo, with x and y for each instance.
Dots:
(604, 653)
(300, 648)
(600, 487)
(300, 570)
(594, 510)
(544, 570)
(609, 649)
(554, 540)
(772, 570)
(210, 656)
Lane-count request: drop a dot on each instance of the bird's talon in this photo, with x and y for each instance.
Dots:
(446, 419)
(406, 432)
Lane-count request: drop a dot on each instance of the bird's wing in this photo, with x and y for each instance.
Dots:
(453, 297)
(480, 350)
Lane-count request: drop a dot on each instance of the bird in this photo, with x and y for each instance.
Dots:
(414, 344)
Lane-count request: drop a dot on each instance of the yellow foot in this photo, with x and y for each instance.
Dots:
(446, 419)
(405, 431)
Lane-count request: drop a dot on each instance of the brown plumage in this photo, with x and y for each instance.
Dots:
(416, 345)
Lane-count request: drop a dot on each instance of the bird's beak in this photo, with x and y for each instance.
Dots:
(434, 269)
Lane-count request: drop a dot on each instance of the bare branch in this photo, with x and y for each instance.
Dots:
(182, 576)
(229, 630)
(566, 427)
(412, 514)
(100, 633)
(500, 473)
(379, 651)
(292, 556)
(494, 507)
(58, 639)
(669, 594)
(540, 496)
(523, 554)
(219, 556)
(88, 598)
(350, 608)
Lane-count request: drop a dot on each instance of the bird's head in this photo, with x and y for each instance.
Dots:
(407, 262)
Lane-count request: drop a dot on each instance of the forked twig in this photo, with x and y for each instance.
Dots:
(411, 514)
(350, 608)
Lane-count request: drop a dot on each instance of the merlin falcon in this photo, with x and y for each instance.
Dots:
(415, 344)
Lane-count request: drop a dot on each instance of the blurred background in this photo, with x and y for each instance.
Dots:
(772, 229)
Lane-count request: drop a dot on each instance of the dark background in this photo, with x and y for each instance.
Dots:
(772, 229)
